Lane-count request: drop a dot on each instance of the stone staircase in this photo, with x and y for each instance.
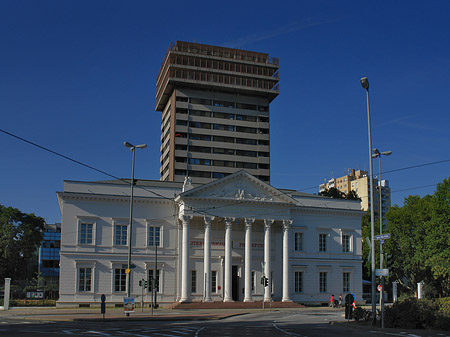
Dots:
(234, 305)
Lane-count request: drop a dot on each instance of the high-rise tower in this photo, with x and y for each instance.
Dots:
(214, 104)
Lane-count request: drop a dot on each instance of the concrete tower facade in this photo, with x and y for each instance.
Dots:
(214, 104)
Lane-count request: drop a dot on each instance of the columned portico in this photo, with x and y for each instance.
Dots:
(248, 260)
(185, 219)
(228, 262)
(267, 258)
(286, 226)
(207, 259)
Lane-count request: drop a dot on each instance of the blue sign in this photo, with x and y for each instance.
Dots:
(383, 236)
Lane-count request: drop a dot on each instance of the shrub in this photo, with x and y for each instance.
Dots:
(444, 306)
(411, 314)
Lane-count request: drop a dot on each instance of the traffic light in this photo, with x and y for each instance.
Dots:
(143, 283)
(266, 282)
(388, 261)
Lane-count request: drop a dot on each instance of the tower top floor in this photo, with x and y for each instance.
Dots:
(206, 67)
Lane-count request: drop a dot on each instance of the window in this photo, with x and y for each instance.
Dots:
(84, 279)
(154, 236)
(120, 280)
(346, 243)
(213, 281)
(298, 287)
(346, 282)
(86, 233)
(193, 281)
(246, 165)
(298, 242)
(322, 242)
(223, 151)
(323, 282)
(253, 281)
(121, 235)
(198, 161)
(150, 278)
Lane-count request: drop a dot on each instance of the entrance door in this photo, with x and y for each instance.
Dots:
(235, 283)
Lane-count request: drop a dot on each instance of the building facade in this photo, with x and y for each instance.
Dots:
(214, 104)
(358, 181)
(49, 253)
(213, 242)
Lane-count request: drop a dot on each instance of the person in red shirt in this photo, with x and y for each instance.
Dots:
(332, 301)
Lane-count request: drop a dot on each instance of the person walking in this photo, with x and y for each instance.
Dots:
(332, 301)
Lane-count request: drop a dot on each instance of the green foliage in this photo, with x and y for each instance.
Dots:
(20, 236)
(444, 305)
(333, 192)
(419, 246)
(412, 313)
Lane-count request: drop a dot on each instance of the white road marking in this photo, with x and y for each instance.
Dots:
(132, 334)
(198, 331)
(284, 331)
(68, 332)
(98, 333)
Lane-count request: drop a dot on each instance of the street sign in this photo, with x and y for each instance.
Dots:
(380, 287)
(383, 236)
(382, 272)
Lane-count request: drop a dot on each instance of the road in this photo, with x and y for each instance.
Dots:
(296, 323)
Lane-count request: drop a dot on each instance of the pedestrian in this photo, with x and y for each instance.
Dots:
(340, 300)
(332, 301)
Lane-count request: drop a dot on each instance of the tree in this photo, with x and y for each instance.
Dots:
(20, 236)
(333, 192)
(419, 246)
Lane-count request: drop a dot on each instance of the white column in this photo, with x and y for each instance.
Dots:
(267, 257)
(228, 256)
(207, 259)
(185, 219)
(248, 260)
(286, 226)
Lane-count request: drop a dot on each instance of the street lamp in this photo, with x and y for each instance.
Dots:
(365, 84)
(378, 154)
(132, 149)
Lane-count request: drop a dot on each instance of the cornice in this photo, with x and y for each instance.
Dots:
(111, 197)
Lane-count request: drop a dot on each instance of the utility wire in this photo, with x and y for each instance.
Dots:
(204, 211)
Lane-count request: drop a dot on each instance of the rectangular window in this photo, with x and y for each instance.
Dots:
(298, 282)
(346, 243)
(86, 233)
(120, 280)
(213, 281)
(150, 278)
(121, 235)
(253, 281)
(346, 282)
(193, 281)
(84, 279)
(298, 242)
(323, 282)
(154, 236)
(322, 242)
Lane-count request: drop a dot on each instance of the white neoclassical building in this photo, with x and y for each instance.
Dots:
(210, 242)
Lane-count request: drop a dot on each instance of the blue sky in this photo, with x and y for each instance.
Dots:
(79, 78)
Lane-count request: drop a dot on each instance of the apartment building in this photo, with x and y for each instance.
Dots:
(358, 181)
(214, 104)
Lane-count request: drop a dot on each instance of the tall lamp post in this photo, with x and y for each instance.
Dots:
(378, 154)
(130, 227)
(365, 84)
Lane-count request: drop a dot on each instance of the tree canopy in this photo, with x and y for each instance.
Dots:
(333, 192)
(20, 236)
(419, 247)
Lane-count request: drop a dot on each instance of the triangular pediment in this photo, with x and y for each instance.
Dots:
(239, 186)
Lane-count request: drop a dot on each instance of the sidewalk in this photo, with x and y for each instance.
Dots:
(115, 314)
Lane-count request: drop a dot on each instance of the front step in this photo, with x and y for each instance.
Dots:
(234, 305)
